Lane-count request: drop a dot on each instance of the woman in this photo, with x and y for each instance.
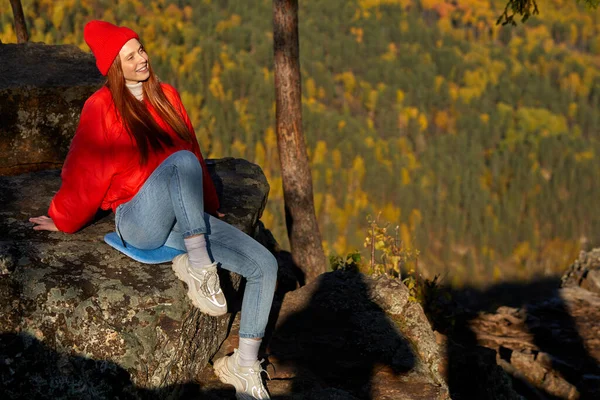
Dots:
(135, 152)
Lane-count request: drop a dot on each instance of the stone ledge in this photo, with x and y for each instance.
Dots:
(42, 91)
(79, 297)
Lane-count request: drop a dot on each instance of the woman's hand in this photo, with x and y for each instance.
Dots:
(220, 215)
(43, 224)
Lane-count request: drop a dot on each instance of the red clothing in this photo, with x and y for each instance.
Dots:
(102, 169)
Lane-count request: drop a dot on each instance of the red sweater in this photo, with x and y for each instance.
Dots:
(102, 169)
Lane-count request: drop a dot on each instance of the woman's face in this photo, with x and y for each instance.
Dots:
(134, 62)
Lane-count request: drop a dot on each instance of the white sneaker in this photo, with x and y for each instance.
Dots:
(247, 380)
(204, 287)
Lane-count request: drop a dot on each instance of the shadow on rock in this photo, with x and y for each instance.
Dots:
(30, 369)
(332, 338)
(528, 328)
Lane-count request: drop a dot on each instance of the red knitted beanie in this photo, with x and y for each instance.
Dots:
(106, 40)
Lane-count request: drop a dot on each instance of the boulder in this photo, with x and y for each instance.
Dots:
(80, 320)
(584, 272)
(347, 336)
(42, 91)
(549, 345)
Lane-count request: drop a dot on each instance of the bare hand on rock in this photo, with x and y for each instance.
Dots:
(43, 223)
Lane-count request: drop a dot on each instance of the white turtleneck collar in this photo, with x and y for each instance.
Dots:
(136, 90)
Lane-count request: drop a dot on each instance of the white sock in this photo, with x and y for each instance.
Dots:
(197, 252)
(248, 351)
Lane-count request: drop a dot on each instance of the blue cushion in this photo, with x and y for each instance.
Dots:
(160, 255)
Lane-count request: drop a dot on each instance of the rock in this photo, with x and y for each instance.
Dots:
(393, 297)
(592, 281)
(68, 298)
(537, 369)
(42, 91)
(240, 184)
(362, 336)
(472, 371)
(584, 272)
(551, 346)
(346, 336)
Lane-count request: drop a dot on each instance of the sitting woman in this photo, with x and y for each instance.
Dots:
(135, 152)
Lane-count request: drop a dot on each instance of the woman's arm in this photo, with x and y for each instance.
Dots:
(86, 173)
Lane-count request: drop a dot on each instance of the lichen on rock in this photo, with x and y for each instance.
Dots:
(73, 297)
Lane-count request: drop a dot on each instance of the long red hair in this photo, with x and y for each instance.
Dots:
(136, 118)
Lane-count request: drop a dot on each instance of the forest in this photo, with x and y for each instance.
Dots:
(476, 144)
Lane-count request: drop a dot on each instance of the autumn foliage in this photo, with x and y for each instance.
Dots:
(479, 141)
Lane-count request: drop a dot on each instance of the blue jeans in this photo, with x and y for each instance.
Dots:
(170, 207)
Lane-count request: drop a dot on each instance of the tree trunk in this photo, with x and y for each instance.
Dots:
(20, 26)
(301, 222)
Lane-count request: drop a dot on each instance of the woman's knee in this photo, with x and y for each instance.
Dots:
(185, 160)
(266, 264)
(270, 265)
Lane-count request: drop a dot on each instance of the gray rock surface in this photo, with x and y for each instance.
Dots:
(80, 319)
(584, 272)
(42, 90)
(243, 191)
